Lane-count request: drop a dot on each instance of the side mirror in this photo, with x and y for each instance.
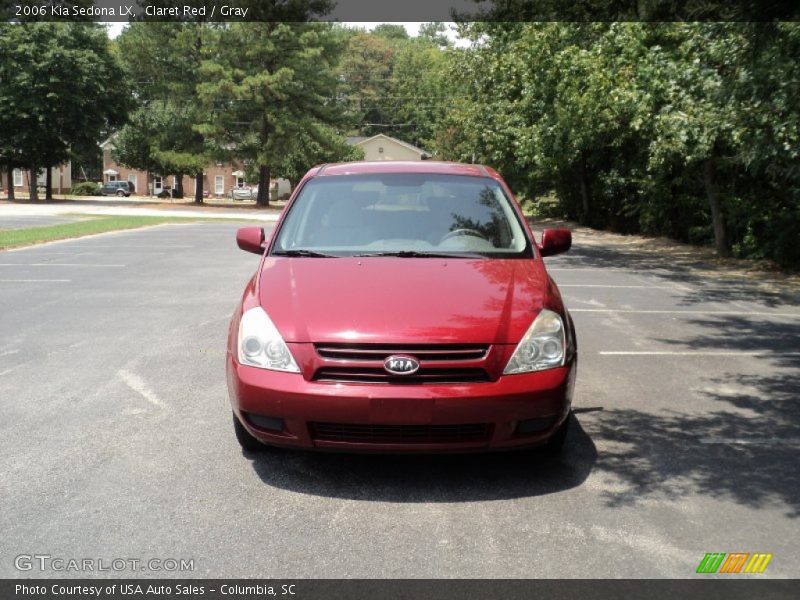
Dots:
(555, 241)
(250, 239)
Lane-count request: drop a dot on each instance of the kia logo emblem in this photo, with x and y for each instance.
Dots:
(401, 365)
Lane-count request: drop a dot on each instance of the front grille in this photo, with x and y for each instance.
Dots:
(399, 434)
(422, 352)
(378, 375)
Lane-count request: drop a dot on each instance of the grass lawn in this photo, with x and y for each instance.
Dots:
(13, 238)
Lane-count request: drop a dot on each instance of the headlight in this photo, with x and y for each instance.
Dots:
(542, 346)
(260, 344)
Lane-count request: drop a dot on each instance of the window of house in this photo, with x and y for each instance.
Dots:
(112, 177)
(240, 182)
(219, 185)
(17, 177)
(158, 183)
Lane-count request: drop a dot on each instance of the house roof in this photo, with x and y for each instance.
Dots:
(359, 140)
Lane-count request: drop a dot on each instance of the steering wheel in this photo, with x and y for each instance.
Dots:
(457, 232)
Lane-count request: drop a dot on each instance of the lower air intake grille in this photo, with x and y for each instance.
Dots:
(399, 434)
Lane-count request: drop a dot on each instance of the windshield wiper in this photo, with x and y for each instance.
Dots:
(421, 254)
(303, 252)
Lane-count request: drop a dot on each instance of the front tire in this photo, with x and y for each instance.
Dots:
(246, 441)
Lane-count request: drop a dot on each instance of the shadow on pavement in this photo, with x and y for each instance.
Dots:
(746, 448)
(710, 282)
(780, 339)
(430, 478)
(721, 454)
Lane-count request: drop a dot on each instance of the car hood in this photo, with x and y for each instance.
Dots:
(402, 300)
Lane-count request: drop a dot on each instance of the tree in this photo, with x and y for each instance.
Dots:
(434, 33)
(308, 151)
(154, 141)
(685, 129)
(364, 71)
(165, 60)
(60, 88)
(269, 89)
(390, 31)
(395, 85)
(726, 108)
(418, 96)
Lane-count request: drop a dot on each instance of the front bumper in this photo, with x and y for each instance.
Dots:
(543, 397)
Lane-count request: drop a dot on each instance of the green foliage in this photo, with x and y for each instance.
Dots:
(364, 72)
(85, 188)
(61, 92)
(686, 129)
(391, 31)
(434, 33)
(267, 96)
(396, 85)
(162, 135)
(159, 138)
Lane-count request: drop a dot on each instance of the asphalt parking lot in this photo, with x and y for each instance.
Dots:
(117, 441)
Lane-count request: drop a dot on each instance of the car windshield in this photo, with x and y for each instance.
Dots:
(403, 214)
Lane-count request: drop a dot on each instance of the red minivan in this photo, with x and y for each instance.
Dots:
(401, 307)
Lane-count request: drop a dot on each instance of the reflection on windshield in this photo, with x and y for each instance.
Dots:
(402, 214)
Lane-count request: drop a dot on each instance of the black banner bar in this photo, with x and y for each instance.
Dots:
(394, 11)
(399, 589)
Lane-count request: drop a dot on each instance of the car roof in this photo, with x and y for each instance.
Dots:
(399, 166)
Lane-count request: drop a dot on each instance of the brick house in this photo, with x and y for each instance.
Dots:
(20, 179)
(219, 178)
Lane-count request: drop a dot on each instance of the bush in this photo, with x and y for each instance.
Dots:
(546, 206)
(85, 188)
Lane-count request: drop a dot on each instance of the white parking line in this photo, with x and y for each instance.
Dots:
(35, 280)
(137, 384)
(7, 352)
(7, 371)
(52, 264)
(695, 353)
(737, 313)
